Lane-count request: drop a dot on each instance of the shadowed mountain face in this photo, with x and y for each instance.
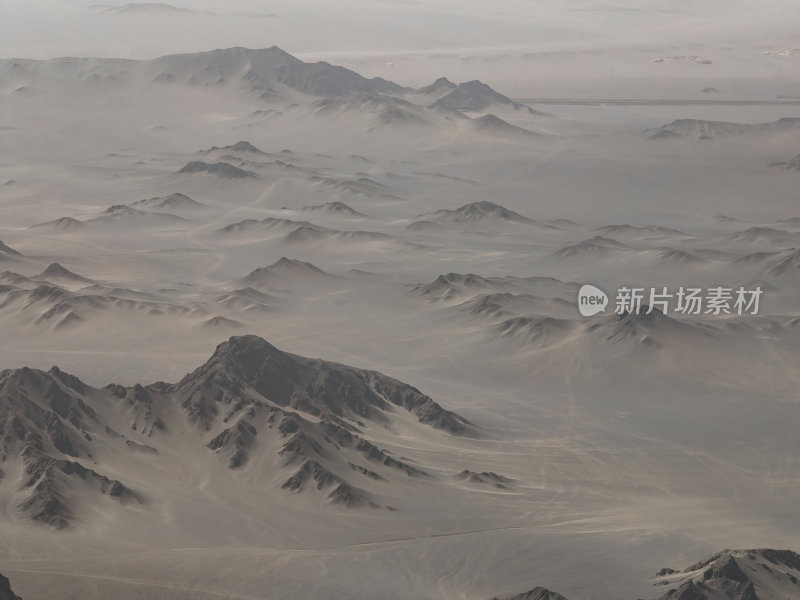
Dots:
(241, 146)
(494, 125)
(55, 272)
(5, 590)
(282, 270)
(221, 169)
(702, 129)
(475, 96)
(761, 574)
(173, 201)
(248, 400)
(8, 251)
(266, 70)
(538, 593)
(440, 86)
(323, 389)
(480, 212)
(47, 425)
(269, 74)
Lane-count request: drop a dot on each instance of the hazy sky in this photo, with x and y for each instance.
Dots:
(414, 40)
(47, 28)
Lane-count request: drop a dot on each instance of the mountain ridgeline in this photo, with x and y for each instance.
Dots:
(273, 77)
(247, 400)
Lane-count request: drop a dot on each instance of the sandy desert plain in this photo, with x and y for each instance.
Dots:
(207, 219)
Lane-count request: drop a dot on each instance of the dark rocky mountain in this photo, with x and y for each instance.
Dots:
(475, 96)
(171, 202)
(55, 272)
(124, 213)
(779, 263)
(240, 146)
(222, 169)
(535, 330)
(482, 211)
(495, 126)
(707, 130)
(489, 478)
(382, 110)
(247, 400)
(650, 327)
(537, 593)
(8, 251)
(283, 270)
(598, 246)
(48, 304)
(455, 286)
(5, 590)
(323, 389)
(61, 224)
(335, 208)
(248, 299)
(440, 86)
(268, 224)
(265, 72)
(309, 234)
(761, 574)
(47, 423)
(270, 73)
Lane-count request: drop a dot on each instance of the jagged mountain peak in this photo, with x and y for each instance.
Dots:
(240, 146)
(757, 574)
(335, 207)
(443, 84)
(476, 96)
(311, 385)
(221, 169)
(250, 399)
(244, 354)
(61, 224)
(537, 593)
(284, 267)
(56, 272)
(478, 212)
(175, 200)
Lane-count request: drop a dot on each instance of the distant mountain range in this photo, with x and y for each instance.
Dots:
(276, 77)
(707, 130)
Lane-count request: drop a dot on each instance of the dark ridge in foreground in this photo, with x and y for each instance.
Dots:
(7, 250)
(761, 574)
(305, 417)
(5, 590)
